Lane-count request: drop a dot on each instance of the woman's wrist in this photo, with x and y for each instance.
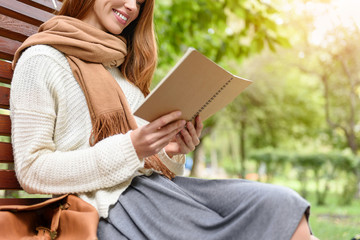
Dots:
(168, 153)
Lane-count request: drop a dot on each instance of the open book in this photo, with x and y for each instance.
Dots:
(195, 86)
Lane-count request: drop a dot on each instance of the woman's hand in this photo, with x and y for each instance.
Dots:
(151, 138)
(185, 141)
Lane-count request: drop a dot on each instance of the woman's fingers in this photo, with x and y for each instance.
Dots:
(182, 146)
(151, 138)
(188, 139)
(162, 142)
(171, 127)
(199, 126)
(165, 120)
(165, 125)
(193, 133)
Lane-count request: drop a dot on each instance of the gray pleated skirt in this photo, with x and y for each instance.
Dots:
(194, 209)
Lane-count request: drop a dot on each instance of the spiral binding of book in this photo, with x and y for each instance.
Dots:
(211, 99)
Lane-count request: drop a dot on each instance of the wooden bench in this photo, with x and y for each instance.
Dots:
(18, 20)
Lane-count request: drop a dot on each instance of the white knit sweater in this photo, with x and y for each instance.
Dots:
(51, 127)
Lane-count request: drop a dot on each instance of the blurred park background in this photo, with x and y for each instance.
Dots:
(298, 124)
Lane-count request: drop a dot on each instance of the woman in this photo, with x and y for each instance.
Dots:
(73, 93)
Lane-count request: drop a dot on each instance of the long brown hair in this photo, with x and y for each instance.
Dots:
(140, 62)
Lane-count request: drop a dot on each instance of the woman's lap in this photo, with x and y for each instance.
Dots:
(189, 208)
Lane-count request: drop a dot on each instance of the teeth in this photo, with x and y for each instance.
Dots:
(120, 15)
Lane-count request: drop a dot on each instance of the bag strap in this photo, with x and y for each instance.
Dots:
(46, 233)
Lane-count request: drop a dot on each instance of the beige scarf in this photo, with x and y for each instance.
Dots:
(89, 50)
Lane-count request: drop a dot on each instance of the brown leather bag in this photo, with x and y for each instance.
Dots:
(62, 218)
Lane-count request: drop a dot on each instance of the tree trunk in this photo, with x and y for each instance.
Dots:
(350, 134)
(348, 131)
(213, 155)
(199, 153)
(234, 149)
(198, 161)
(242, 149)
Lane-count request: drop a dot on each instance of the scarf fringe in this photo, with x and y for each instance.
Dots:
(154, 162)
(109, 124)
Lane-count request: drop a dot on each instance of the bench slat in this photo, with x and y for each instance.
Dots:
(16, 29)
(5, 125)
(4, 97)
(24, 12)
(21, 201)
(8, 48)
(19, 20)
(6, 73)
(45, 5)
(6, 153)
(8, 180)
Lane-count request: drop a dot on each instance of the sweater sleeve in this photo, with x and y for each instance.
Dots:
(40, 166)
(176, 164)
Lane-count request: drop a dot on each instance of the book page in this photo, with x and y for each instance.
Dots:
(196, 85)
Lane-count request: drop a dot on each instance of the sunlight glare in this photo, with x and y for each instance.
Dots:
(331, 15)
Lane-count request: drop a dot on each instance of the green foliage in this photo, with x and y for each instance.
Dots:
(348, 190)
(279, 107)
(326, 167)
(4, 84)
(320, 168)
(304, 99)
(331, 221)
(219, 29)
(274, 161)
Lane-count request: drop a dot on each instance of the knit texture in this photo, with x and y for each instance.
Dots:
(89, 51)
(51, 127)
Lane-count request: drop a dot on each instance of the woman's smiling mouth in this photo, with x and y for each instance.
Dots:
(122, 17)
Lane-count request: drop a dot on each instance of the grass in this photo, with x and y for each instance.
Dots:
(334, 222)
(331, 221)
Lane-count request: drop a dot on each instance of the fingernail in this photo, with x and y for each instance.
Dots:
(178, 113)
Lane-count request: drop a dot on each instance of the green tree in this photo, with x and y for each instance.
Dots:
(333, 60)
(281, 109)
(222, 30)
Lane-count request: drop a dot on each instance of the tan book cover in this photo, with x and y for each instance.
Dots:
(195, 86)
